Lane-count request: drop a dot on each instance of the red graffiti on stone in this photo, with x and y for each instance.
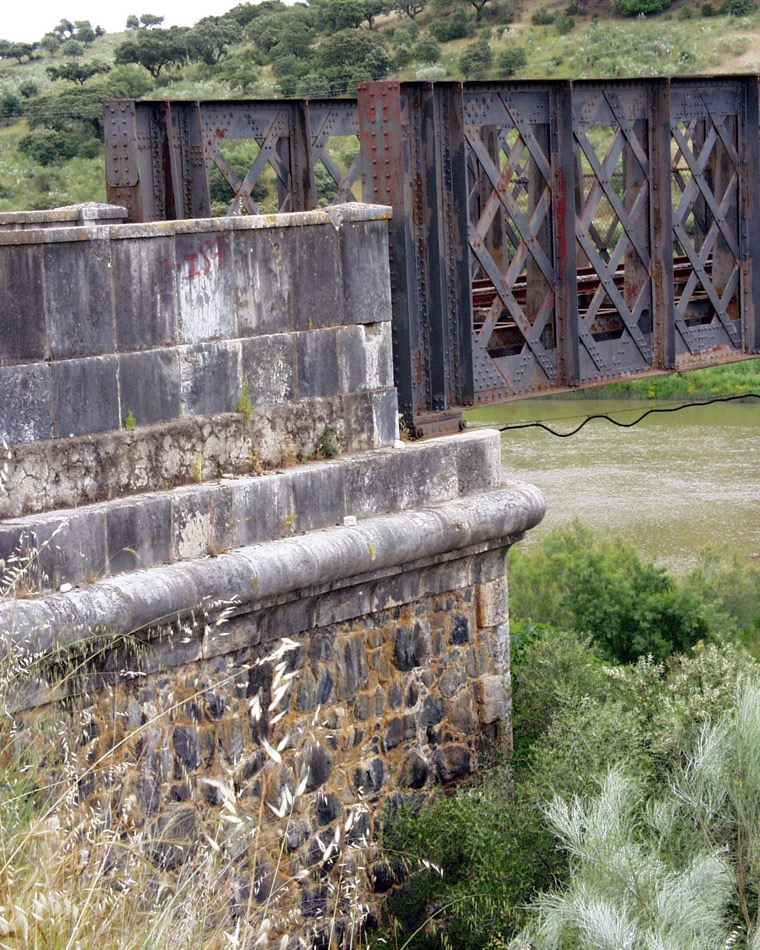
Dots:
(211, 253)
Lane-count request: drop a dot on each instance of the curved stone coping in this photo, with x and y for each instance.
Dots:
(334, 215)
(252, 574)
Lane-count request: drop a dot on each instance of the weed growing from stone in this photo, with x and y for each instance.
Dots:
(244, 404)
(327, 444)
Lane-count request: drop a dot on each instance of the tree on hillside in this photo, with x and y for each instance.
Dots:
(84, 32)
(154, 49)
(77, 72)
(334, 15)
(376, 8)
(72, 48)
(17, 51)
(133, 22)
(289, 33)
(210, 39)
(412, 8)
(64, 29)
(150, 20)
(50, 43)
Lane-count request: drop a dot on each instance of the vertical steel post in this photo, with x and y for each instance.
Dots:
(295, 154)
(565, 189)
(449, 300)
(382, 146)
(198, 197)
(661, 215)
(124, 185)
(750, 171)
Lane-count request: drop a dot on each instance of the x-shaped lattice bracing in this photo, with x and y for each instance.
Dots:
(629, 240)
(267, 143)
(526, 231)
(697, 160)
(319, 143)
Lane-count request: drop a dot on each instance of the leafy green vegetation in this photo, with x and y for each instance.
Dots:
(52, 90)
(592, 733)
(731, 379)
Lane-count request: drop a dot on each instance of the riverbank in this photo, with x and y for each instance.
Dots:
(696, 384)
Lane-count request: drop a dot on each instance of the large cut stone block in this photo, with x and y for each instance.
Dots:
(25, 403)
(23, 327)
(150, 385)
(78, 296)
(144, 297)
(85, 395)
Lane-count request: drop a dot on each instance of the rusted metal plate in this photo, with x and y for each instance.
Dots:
(546, 235)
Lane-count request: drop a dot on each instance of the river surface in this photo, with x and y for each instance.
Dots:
(672, 485)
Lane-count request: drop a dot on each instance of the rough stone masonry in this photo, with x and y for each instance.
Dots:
(303, 643)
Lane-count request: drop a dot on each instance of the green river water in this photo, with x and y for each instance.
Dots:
(672, 485)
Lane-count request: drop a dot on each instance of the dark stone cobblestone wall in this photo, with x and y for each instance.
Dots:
(337, 719)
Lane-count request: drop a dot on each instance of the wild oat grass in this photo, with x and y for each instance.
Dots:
(79, 876)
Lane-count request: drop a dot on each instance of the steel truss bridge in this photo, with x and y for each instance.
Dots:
(545, 235)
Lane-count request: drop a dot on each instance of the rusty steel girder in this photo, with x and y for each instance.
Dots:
(546, 235)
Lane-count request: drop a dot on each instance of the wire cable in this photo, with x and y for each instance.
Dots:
(615, 422)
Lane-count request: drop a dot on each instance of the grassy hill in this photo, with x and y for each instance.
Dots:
(50, 136)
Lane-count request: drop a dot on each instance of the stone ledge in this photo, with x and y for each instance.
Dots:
(252, 574)
(146, 530)
(334, 215)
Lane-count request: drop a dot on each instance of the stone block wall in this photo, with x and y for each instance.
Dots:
(116, 338)
(309, 679)
(260, 659)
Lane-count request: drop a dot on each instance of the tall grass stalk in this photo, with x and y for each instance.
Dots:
(77, 873)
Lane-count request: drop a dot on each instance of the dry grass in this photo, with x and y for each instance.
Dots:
(77, 873)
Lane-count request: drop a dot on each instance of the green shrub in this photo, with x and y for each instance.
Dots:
(680, 869)
(542, 17)
(456, 27)
(427, 50)
(639, 7)
(564, 24)
(739, 7)
(402, 57)
(511, 59)
(629, 607)
(476, 60)
(574, 719)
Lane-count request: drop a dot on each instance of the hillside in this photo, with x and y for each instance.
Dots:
(51, 93)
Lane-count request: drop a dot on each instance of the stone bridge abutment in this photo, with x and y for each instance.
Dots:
(262, 599)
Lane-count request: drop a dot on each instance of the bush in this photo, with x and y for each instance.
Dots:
(574, 720)
(46, 147)
(457, 27)
(433, 72)
(512, 59)
(10, 105)
(639, 7)
(564, 24)
(603, 588)
(680, 870)
(542, 17)
(476, 60)
(73, 48)
(739, 7)
(402, 57)
(427, 50)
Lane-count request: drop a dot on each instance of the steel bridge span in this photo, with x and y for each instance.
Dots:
(545, 236)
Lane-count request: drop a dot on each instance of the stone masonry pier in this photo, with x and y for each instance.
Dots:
(257, 595)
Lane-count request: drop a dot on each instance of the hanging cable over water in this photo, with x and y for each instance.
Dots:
(616, 422)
